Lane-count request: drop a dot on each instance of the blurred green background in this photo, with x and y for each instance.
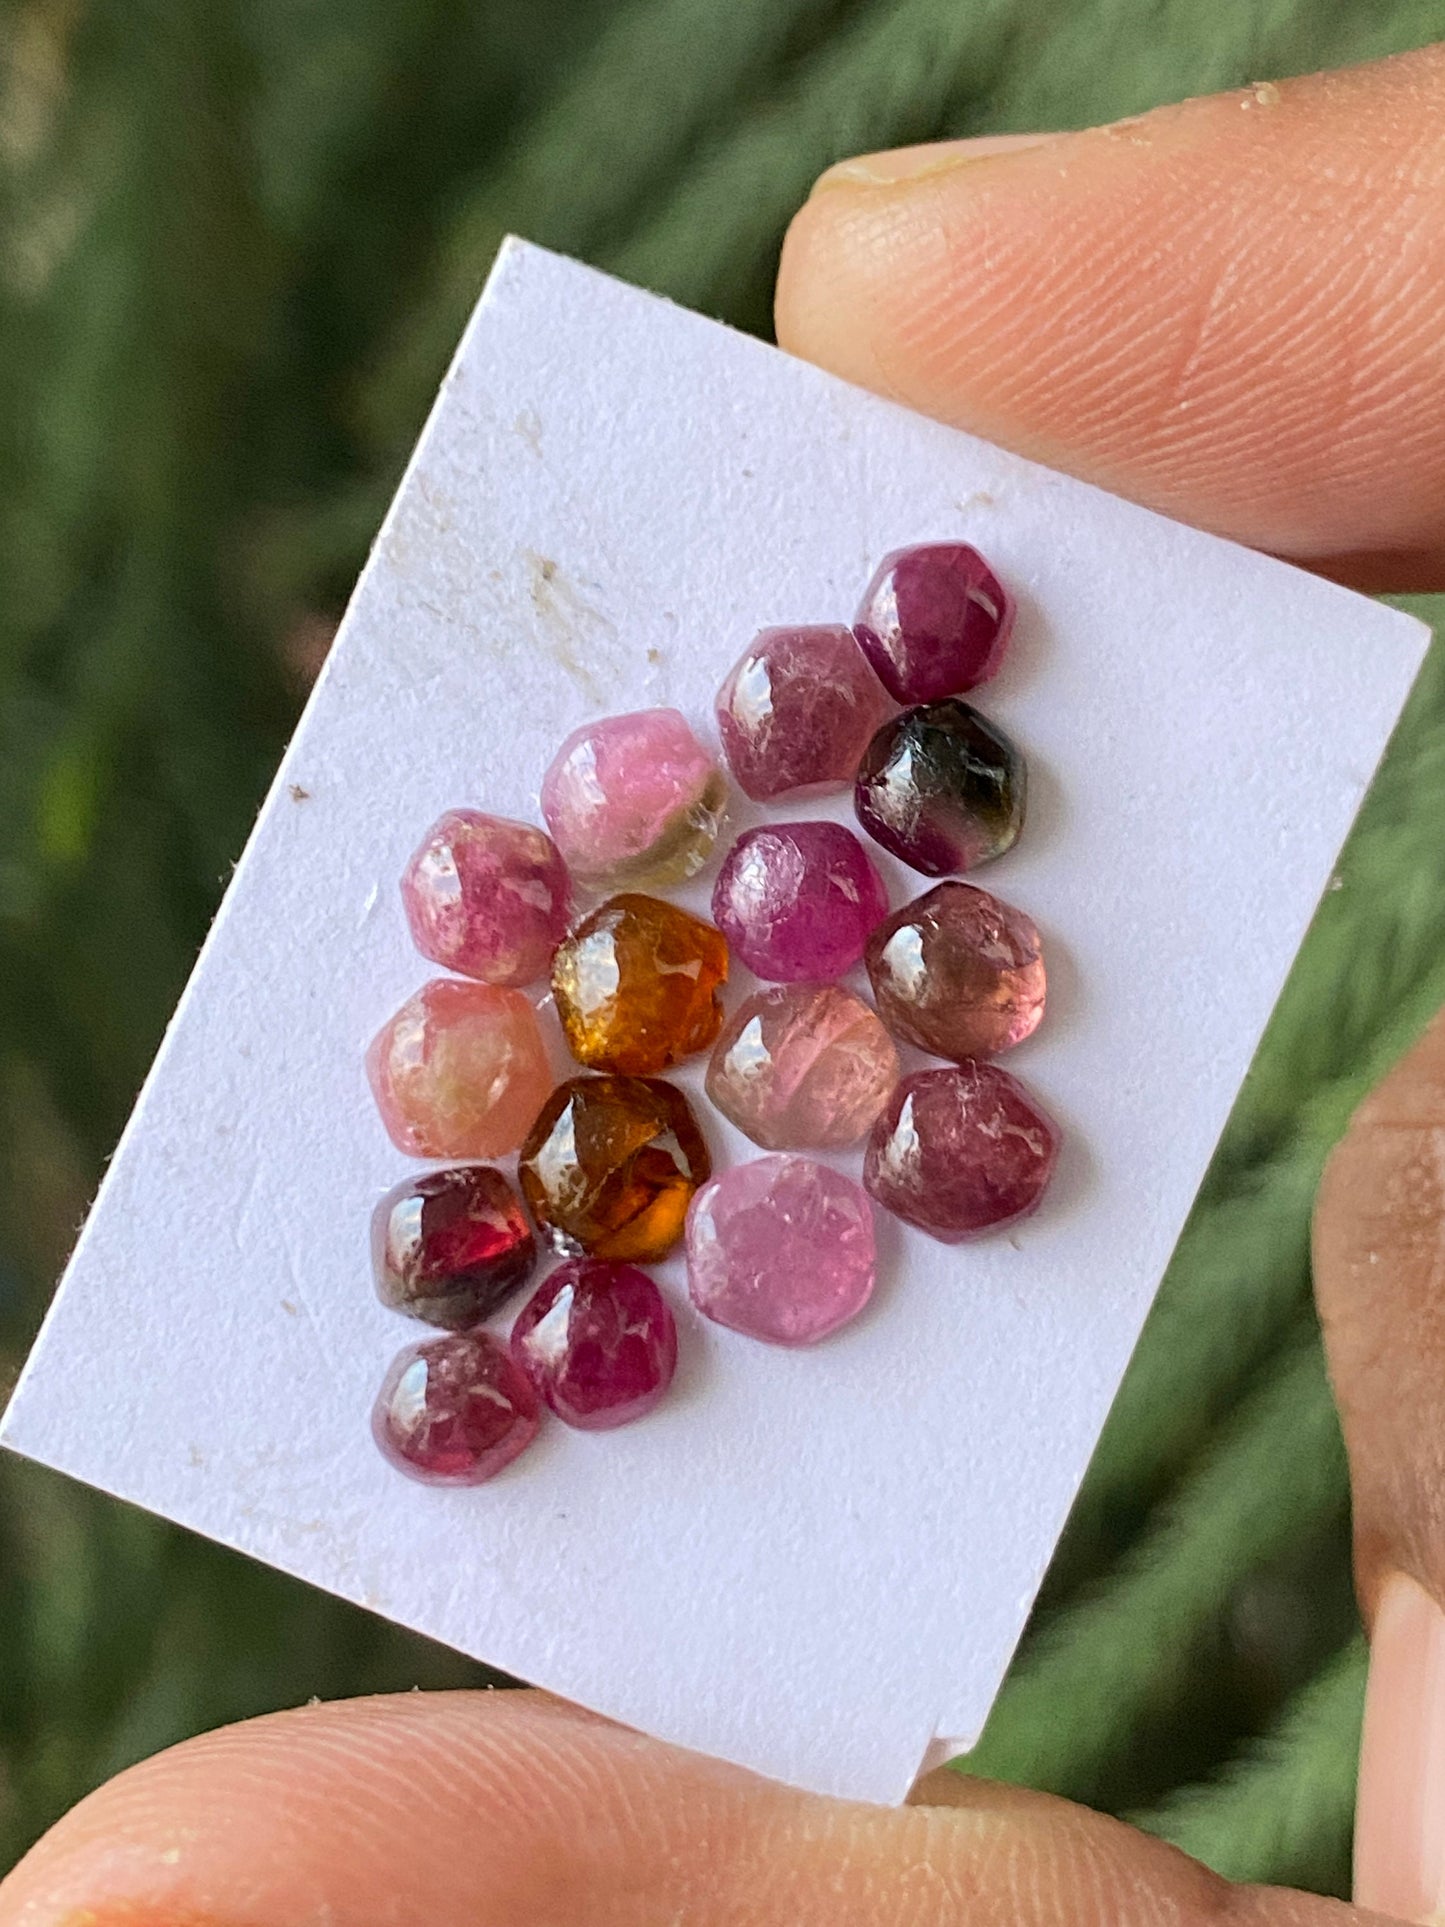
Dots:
(237, 241)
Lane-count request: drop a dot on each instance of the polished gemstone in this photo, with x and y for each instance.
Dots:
(958, 973)
(798, 900)
(455, 1410)
(636, 985)
(634, 801)
(942, 788)
(797, 710)
(459, 1071)
(611, 1165)
(782, 1249)
(802, 1067)
(960, 1151)
(449, 1247)
(598, 1342)
(934, 621)
(487, 897)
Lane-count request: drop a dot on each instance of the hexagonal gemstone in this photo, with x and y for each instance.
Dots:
(610, 1167)
(451, 1246)
(798, 900)
(459, 1071)
(934, 621)
(454, 1410)
(802, 1066)
(598, 1343)
(797, 710)
(942, 788)
(636, 985)
(781, 1249)
(634, 801)
(960, 1151)
(487, 897)
(958, 973)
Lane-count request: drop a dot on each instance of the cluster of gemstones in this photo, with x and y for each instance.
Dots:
(613, 1170)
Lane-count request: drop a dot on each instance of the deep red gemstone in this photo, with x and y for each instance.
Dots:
(454, 1410)
(451, 1246)
(598, 1343)
(934, 621)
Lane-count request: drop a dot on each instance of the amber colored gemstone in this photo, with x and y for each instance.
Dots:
(610, 1167)
(636, 985)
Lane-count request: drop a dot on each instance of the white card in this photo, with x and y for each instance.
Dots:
(809, 1562)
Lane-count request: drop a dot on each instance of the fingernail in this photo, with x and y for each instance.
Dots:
(1400, 1813)
(909, 163)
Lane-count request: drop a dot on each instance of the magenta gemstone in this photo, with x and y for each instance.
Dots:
(455, 1410)
(487, 897)
(797, 710)
(960, 1151)
(598, 1343)
(934, 621)
(451, 1246)
(798, 900)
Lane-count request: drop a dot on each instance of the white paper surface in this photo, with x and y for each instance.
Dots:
(806, 1562)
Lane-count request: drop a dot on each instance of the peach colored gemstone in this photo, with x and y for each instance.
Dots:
(802, 1067)
(459, 1071)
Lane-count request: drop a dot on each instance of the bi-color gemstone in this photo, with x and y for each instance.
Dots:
(636, 985)
(450, 1247)
(634, 802)
(942, 788)
(934, 621)
(486, 896)
(802, 1067)
(597, 1342)
(958, 973)
(455, 1410)
(798, 900)
(797, 710)
(459, 1071)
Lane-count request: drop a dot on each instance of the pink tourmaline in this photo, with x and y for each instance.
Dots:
(782, 1249)
(487, 897)
(454, 1410)
(934, 621)
(451, 1246)
(460, 1071)
(958, 973)
(597, 1342)
(802, 1066)
(797, 710)
(798, 900)
(960, 1151)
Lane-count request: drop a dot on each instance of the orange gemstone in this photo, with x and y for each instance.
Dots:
(636, 985)
(611, 1165)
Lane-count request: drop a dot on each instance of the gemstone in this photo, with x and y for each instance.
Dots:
(798, 900)
(797, 710)
(634, 801)
(487, 897)
(934, 621)
(610, 1167)
(597, 1342)
(960, 1151)
(782, 1249)
(452, 1246)
(455, 1410)
(802, 1066)
(636, 985)
(958, 973)
(941, 788)
(459, 1071)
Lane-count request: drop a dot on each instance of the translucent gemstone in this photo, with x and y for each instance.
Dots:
(802, 1066)
(960, 1151)
(797, 710)
(934, 621)
(610, 1167)
(634, 801)
(487, 897)
(958, 973)
(636, 985)
(798, 900)
(782, 1249)
(459, 1071)
(598, 1343)
(455, 1410)
(942, 788)
(452, 1246)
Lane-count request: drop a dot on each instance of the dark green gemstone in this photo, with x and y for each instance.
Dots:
(942, 788)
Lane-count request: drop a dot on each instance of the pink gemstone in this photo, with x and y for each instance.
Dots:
(797, 710)
(634, 802)
(798, 900)
(451, 1246)
(782, 1249)
(934, 621)
(960, 1151)
(597, 1342)
(454, 1410)
(802, 1066)
(459, 1071)
(487, 897)
(958, 973)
